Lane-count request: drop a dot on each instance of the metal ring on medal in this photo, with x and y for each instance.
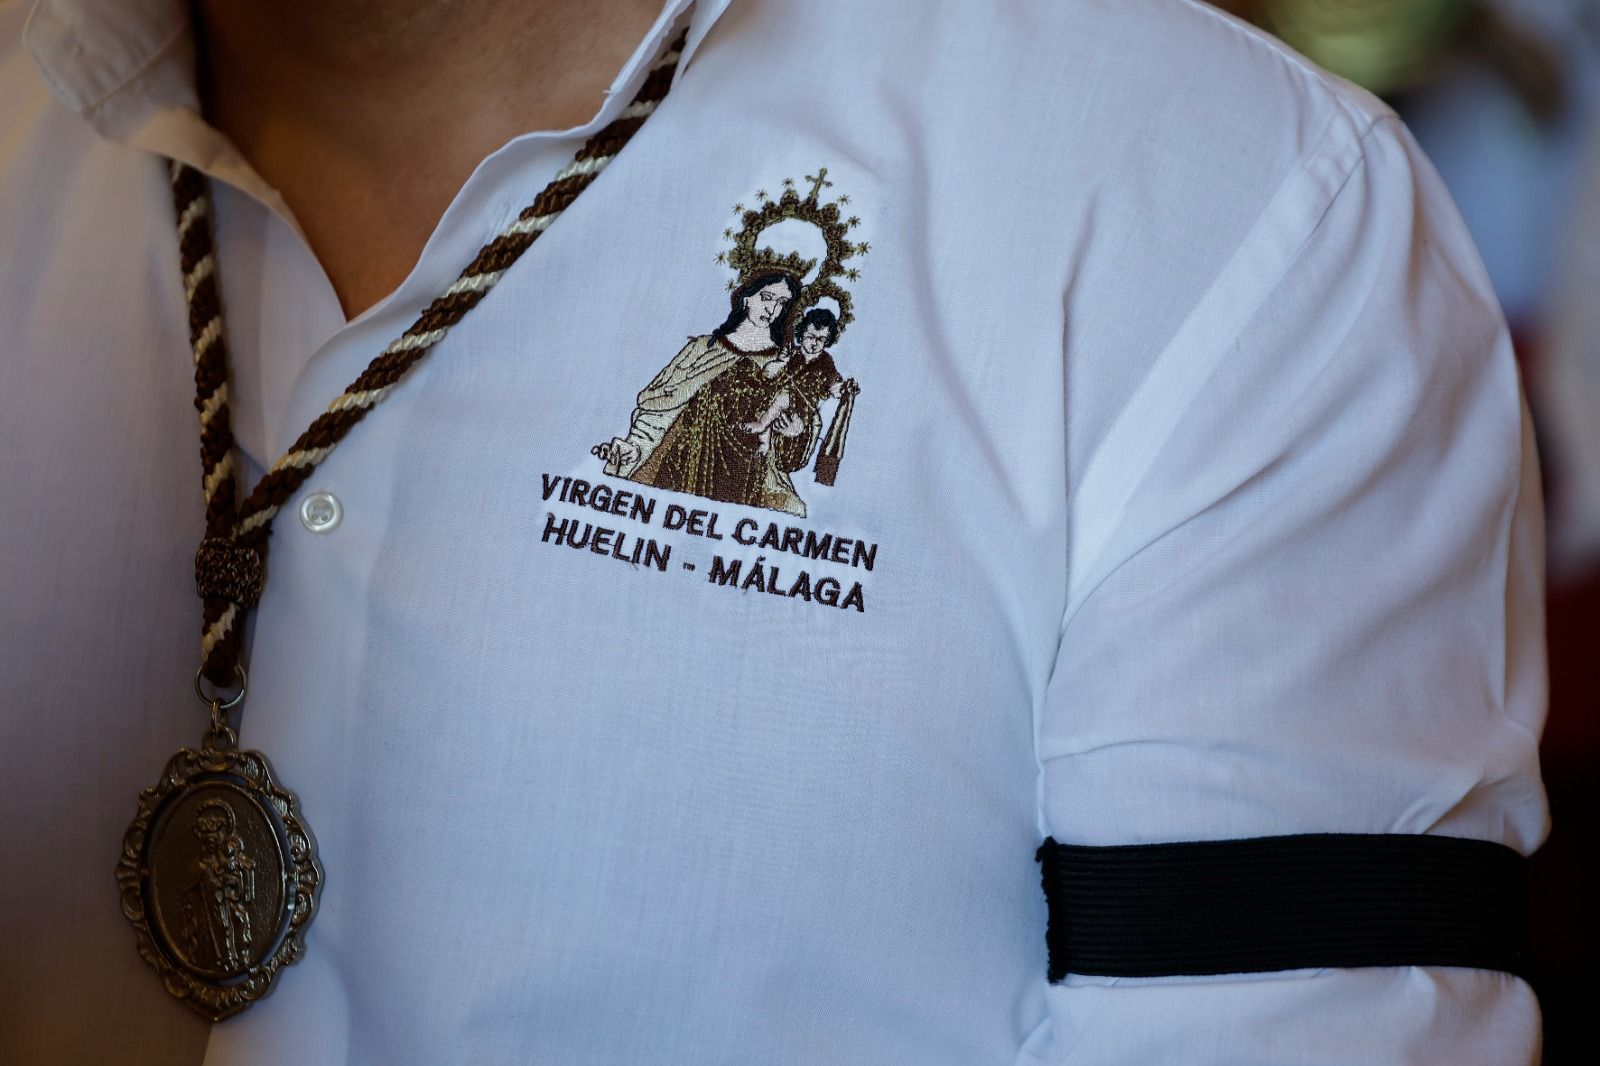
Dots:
(219, 876)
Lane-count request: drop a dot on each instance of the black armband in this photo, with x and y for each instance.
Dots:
(1284, 903)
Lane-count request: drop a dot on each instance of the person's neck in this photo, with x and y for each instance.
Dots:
(368, 115)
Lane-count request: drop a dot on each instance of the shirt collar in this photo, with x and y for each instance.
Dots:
(127, 67)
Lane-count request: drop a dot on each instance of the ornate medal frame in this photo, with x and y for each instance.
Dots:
(152, 882)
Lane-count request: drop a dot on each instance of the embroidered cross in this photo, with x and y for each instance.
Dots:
(818, 182)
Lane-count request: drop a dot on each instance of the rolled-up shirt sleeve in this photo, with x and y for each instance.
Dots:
(1304, 597)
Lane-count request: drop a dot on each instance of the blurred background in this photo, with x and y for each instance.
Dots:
(1504, 96)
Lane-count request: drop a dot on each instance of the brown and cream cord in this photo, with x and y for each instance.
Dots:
(229, 567)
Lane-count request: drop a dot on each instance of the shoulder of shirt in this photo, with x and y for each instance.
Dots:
(1290, 81)
(1236, 51)
(1095, 69)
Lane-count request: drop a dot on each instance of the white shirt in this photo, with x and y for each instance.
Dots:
(1190, 450)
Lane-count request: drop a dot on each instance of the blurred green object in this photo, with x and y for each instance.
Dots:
(1381, 45)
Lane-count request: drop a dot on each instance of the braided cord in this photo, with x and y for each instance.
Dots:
(248, 525)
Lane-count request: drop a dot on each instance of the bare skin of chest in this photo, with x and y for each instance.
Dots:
(368, 116)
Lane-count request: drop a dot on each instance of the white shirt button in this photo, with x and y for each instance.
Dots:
(320, 512)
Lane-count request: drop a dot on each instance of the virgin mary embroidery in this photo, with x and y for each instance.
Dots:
(738, 411)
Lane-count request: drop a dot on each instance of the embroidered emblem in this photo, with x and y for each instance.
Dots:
(738, 411)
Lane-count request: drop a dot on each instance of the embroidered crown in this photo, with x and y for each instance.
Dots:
(748, 260)
(766, 261)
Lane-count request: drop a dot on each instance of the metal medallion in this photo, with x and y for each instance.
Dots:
(219, 876)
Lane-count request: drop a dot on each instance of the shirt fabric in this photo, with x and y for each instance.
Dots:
(1187, 489)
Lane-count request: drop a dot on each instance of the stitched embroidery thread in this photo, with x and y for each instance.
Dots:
(738, 411)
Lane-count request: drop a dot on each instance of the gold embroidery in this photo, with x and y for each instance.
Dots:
(737, 411)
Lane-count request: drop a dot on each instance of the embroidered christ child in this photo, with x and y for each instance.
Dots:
(803, 380)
